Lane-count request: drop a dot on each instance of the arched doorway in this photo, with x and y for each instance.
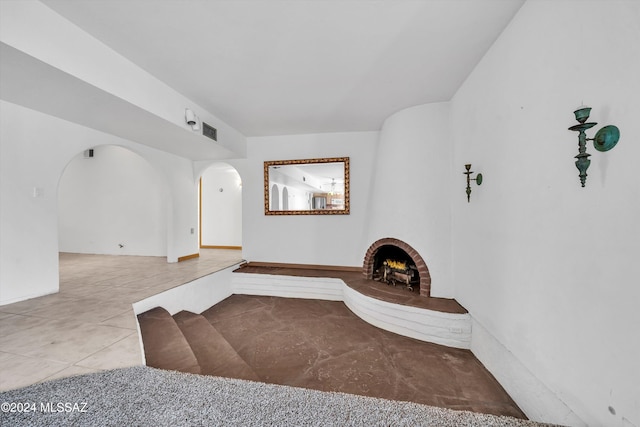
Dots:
(285, 199)
(275, 198)
(220, 207)
(111, 202)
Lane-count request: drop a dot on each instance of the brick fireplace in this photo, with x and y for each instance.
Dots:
(391, 245)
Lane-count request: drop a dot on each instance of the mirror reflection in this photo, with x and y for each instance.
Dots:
(307, 187)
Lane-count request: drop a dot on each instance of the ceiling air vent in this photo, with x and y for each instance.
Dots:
(209, 131)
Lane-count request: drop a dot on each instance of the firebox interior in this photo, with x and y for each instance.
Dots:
(393, 265)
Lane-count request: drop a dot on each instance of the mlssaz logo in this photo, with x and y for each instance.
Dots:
(52, 407)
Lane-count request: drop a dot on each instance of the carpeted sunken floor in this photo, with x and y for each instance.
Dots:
(319, 345)
(144, 396)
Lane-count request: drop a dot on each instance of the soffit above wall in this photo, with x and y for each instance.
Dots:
(29, 82)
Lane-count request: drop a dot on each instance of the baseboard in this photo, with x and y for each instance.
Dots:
(220, 247)
(30, 296)
(304, 266)
(535, 399)
(186, 257)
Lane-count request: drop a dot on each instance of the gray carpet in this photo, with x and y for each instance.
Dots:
(143, 396)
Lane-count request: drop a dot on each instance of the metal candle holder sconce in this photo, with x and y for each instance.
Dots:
(477, 179)
(605, 139)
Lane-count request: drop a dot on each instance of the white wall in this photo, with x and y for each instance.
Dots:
(298, 199)
(307, 239)
(548, 268)
(28, 224)
(221, 206)
(412, 201)
(35, 149)
(113, 198)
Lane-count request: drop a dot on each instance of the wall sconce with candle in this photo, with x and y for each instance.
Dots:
(604, 140)
(477, 179)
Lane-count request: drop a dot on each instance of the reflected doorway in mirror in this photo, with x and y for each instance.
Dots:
(307, 186)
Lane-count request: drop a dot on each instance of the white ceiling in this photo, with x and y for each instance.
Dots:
(271, 67)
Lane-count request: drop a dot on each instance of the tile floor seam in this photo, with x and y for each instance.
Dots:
(77, 363)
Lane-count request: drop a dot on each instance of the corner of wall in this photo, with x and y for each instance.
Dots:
(535, 399)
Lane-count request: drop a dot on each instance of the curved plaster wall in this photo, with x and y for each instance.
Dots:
(112, 203)
(411, 198)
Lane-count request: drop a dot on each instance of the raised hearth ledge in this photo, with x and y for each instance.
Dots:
(450, 329)
(281, 265)
(354, 278)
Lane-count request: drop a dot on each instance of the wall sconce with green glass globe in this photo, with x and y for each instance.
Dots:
(604, 140)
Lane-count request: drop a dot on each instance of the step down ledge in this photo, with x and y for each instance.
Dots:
(214, 353)
(165, 347)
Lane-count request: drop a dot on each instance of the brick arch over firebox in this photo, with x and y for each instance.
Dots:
(423, 271)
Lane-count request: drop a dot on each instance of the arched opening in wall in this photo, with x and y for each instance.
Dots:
(395, 262)
(111, 202)
(220, 207)
(275, 198)
(285, 199)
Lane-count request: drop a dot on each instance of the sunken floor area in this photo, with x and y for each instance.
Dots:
(322, 345)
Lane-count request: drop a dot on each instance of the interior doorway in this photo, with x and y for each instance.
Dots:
(111, 202)
(220, 208)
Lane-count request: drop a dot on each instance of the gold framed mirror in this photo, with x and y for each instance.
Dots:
(307, 187)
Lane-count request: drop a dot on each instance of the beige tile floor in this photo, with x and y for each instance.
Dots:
(89, 325)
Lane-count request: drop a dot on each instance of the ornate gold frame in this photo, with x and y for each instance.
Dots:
(347, 194)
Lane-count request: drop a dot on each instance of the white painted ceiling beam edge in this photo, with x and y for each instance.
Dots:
(31, 83)
(61, 54)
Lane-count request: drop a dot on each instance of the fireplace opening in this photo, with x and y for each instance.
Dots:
(393, 266)
(394, 262)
